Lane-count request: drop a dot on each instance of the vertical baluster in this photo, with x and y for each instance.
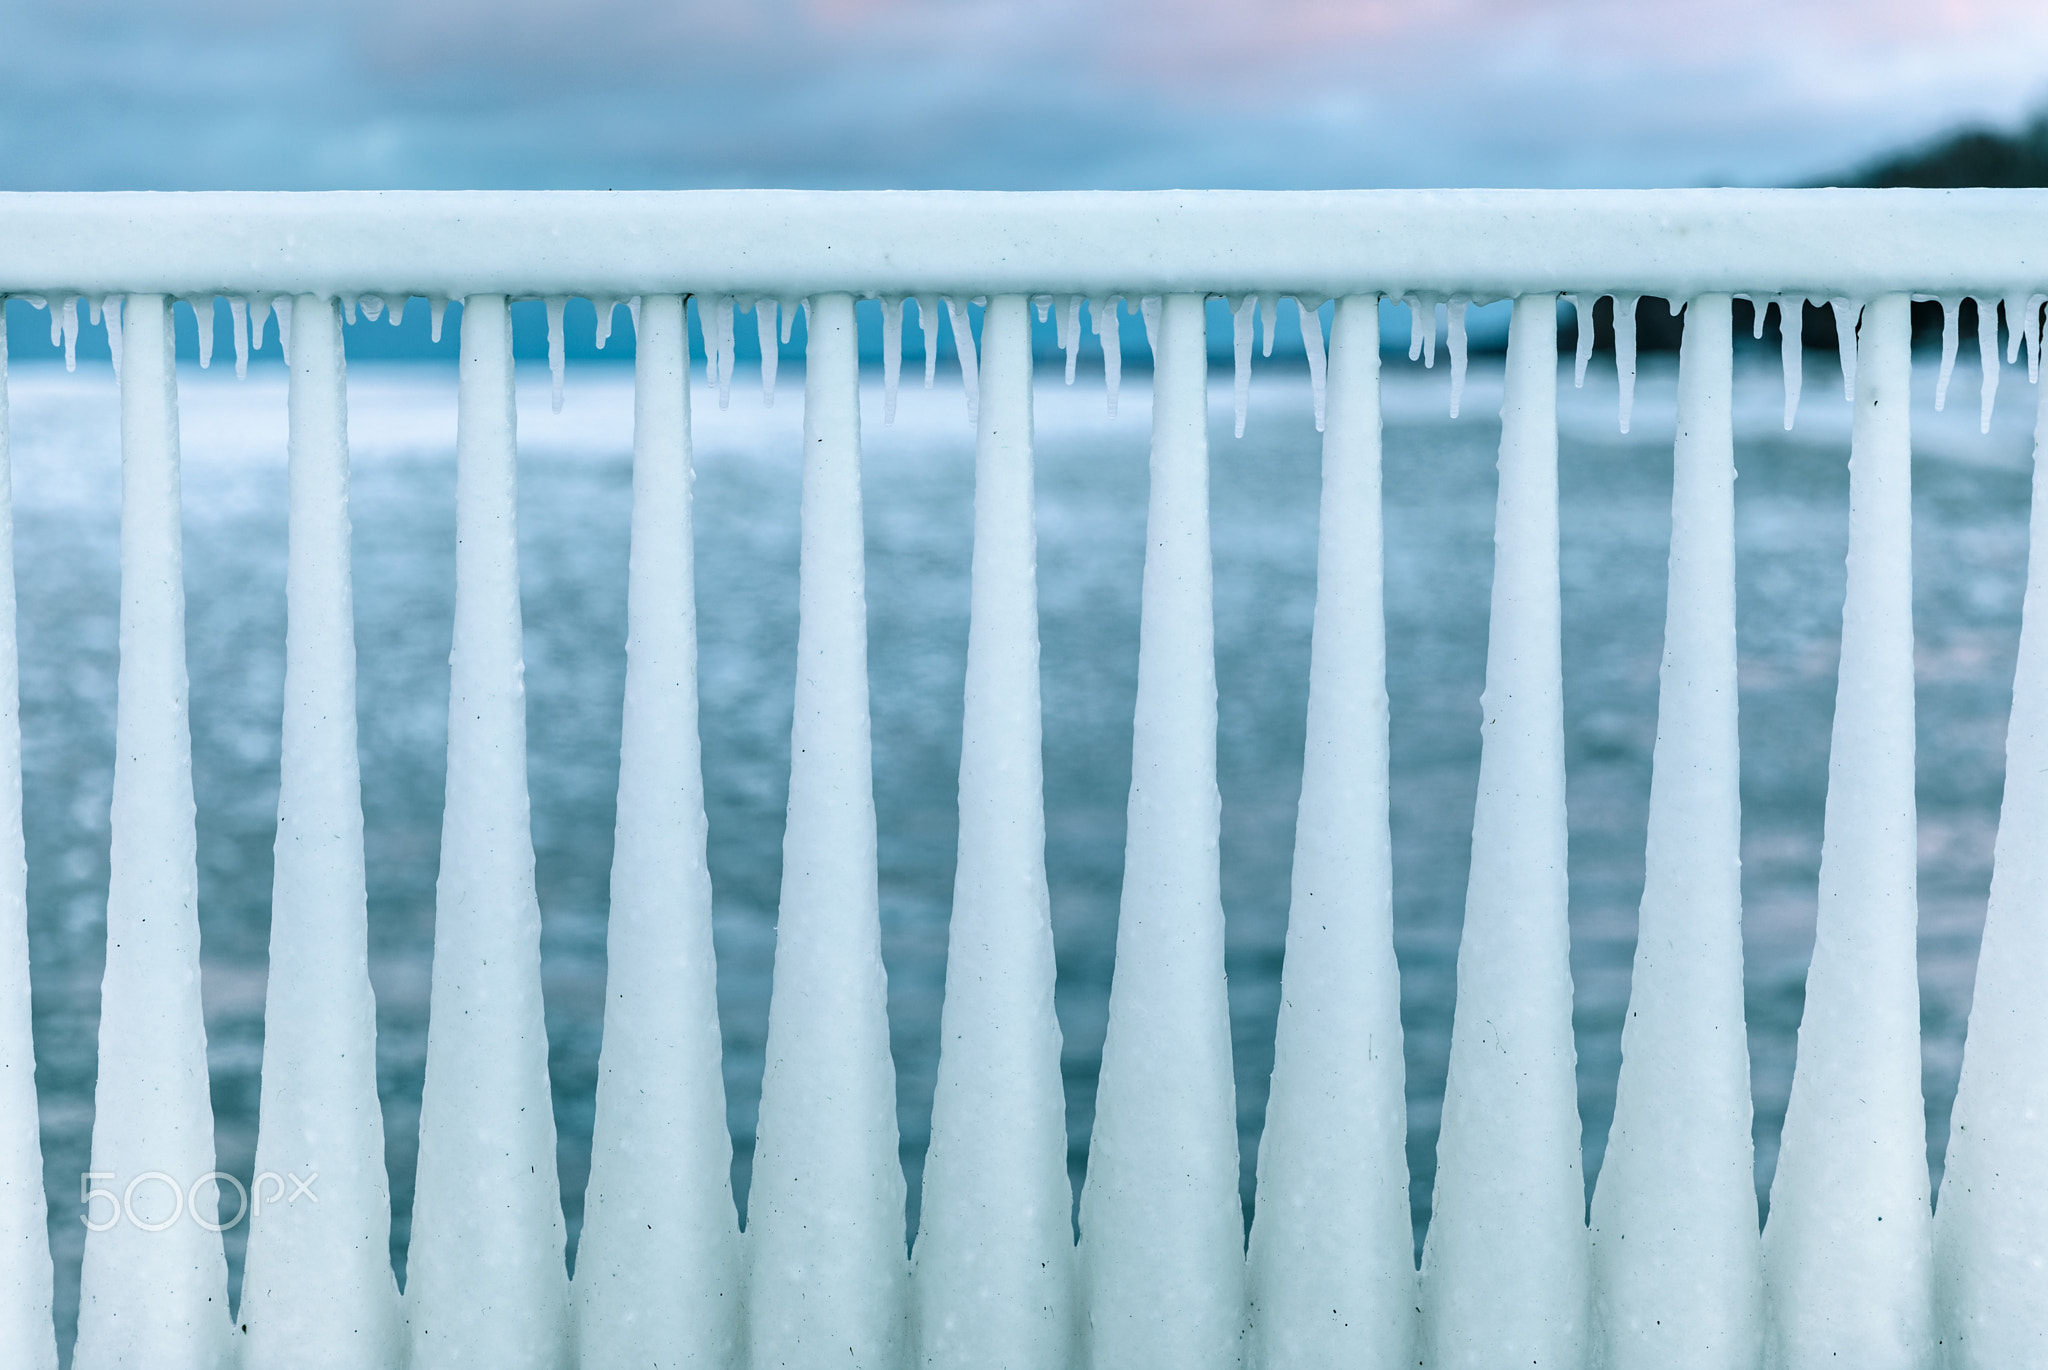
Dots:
(27, 1339)
(155, 1299)
(825, 1216)
(1332, 1275)
(1991, 1227)
(486, 1283)
(658, 1281)
(319, 1290)
(1848, 1246)
(1162, 1230)
(1504, 1274)
(1676, 1273)
(993, 1273)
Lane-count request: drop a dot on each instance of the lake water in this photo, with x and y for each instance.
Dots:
(1970, 545)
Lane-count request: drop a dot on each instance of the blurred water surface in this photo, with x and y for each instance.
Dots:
(1970, 546)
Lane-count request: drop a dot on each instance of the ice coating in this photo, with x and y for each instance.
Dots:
(556, 306)
(1331, 1271)
(1987, 355)
(1583, 331)
(1242, 316)
(238, 317)
(993, 1272)
(963, 344)
(1504, 1267)
(152, 1298)
(486, 1284)
(1310, 314)
(1070, 314)
(1951, 321)
(1103, 314)
(1162, 1231)
(1846, 312)
(928, 324)
(1677, 1283)
(1269, 319)
(1454, 338)
(318, 1291)
(1848, 1245)
(27, 1336)
(659, 1273)
(1792, 351)
(825, 1215)
(1991, 1227)
(764, 334)
(892, 355)
(1625, 353)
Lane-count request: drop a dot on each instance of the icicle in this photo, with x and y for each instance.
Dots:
(1504, 1266)
(603, 306)
(1674, 1239)
(1758, 307)
(633, 313)
(320, 1275)
(1456, 341)
(1103, 313)
(771, 354)
(437, 310)
(1162, 1230)
(202, 320)
(993, 1273)
(1070, 312)
(825, 1215)
(1043, 303)
(1792, 351)
(1148, 308)
(1582, 326)
(71, 332)
(1625, 353)
(1991, 1226)
(152, 1295)
(1332, 1265)
(892, 354)
(728, 351)
(238, 315)
(928, 323)
(1242, 315)
(1845, 339)
(1421, 328)
(2033, 322)
(557, 305)
(27, 1338)
(672, 1293)
(348, 307)
(259, 316)
(282, 307)
(1951, 312)
(1310, 313)
(1987, 353)
(110, 315)
(373, 307)
(1269, 318)
(397, 303)
(1848, 1245)
(963, 343)
(2014, 329)
(56, 319)
(485, 1284)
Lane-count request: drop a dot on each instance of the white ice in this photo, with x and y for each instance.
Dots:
(764, 335)
(963, 346)
(1310, 313)
(1625, 353)
(892, 354)
(928, 324)
(1103, 313)
(1792, 351)
(1582, 327)
(1987, 355)
(1454, 338)
(1846, 312)
(1242, 316)
(1951, 312)
(1070, 321)
(557, 305)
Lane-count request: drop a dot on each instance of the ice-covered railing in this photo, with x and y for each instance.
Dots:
(1854, 1268)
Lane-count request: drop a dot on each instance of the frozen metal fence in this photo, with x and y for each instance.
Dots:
(1854, 1267)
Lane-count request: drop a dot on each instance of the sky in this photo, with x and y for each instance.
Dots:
(1012, 94)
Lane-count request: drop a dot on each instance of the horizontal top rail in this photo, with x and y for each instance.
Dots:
(1481, 244)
